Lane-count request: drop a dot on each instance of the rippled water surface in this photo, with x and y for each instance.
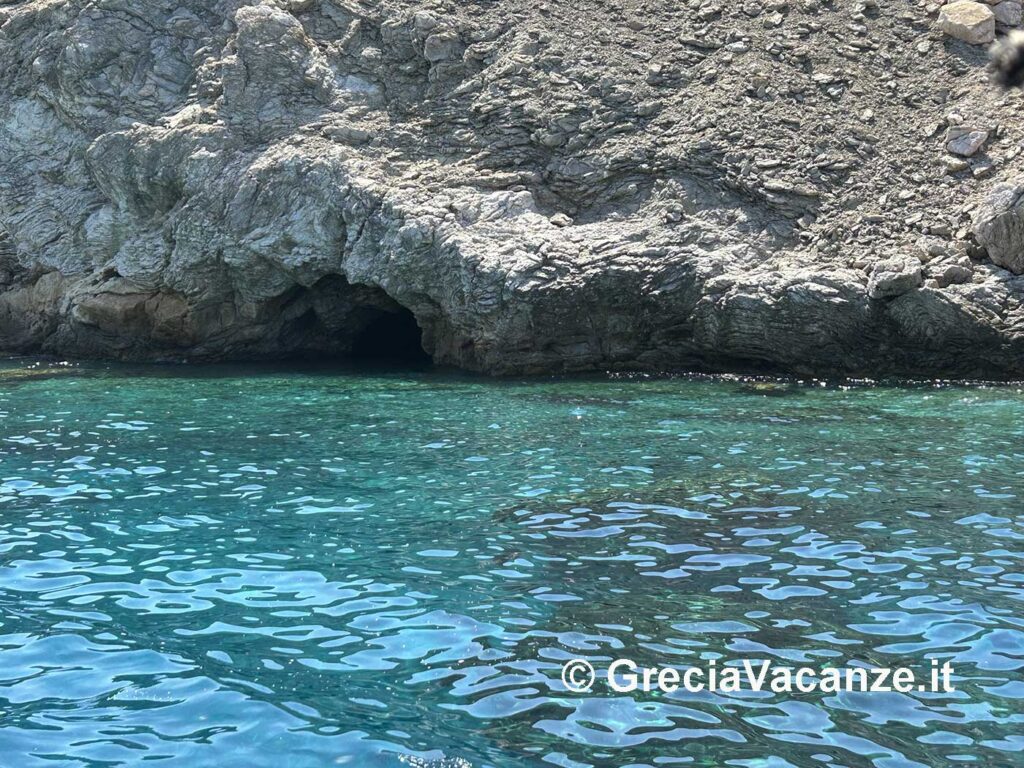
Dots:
(252, 568)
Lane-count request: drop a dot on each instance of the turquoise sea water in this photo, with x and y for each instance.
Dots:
(225, 567)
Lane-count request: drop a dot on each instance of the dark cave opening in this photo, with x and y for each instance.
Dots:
(391, 336)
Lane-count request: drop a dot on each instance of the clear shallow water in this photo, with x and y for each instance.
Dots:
(242, 567)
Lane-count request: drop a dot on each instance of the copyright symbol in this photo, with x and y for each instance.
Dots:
(578, 676)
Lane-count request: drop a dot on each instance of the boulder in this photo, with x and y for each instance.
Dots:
(999, 226)
(894, 277)
(442, 47)
(1008, 13)
(974, 23)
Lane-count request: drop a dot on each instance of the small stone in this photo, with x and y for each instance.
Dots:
(969, 21)
(954, 274)
(965, 141)
(348, 134)
(424, 20)
(561, 220)
(709, 11)
(955, 165)
(648, 108)
(1008, 13)
(929, 248)
(983, 170)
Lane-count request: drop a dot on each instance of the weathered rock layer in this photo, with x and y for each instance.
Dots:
(544, 186)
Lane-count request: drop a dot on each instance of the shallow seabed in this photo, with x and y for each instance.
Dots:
(249, 567)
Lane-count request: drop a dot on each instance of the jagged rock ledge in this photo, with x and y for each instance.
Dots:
(526, 187)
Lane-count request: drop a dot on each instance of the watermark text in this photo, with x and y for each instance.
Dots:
(626, 676)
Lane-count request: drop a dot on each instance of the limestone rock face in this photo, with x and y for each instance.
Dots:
(559, 186)
(969, 21)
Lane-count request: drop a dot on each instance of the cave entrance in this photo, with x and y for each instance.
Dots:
(392, 336)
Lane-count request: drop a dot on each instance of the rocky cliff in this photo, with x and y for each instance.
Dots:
(795, 185)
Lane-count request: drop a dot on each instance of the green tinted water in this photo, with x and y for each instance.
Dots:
(255, 568)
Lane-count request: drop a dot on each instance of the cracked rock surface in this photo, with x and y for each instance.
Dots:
(806, 186)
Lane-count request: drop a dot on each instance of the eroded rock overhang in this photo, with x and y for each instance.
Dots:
(237, 180)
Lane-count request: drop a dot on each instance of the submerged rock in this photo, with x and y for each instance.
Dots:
(564, 187)
(15, 376)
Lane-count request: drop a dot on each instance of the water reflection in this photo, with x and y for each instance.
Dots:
(312, 570)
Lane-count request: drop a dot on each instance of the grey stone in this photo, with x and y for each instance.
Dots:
(999, 226)
(953, 274)
(965, 141)
(1008, 13)
(894, 277)
(442, 47)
